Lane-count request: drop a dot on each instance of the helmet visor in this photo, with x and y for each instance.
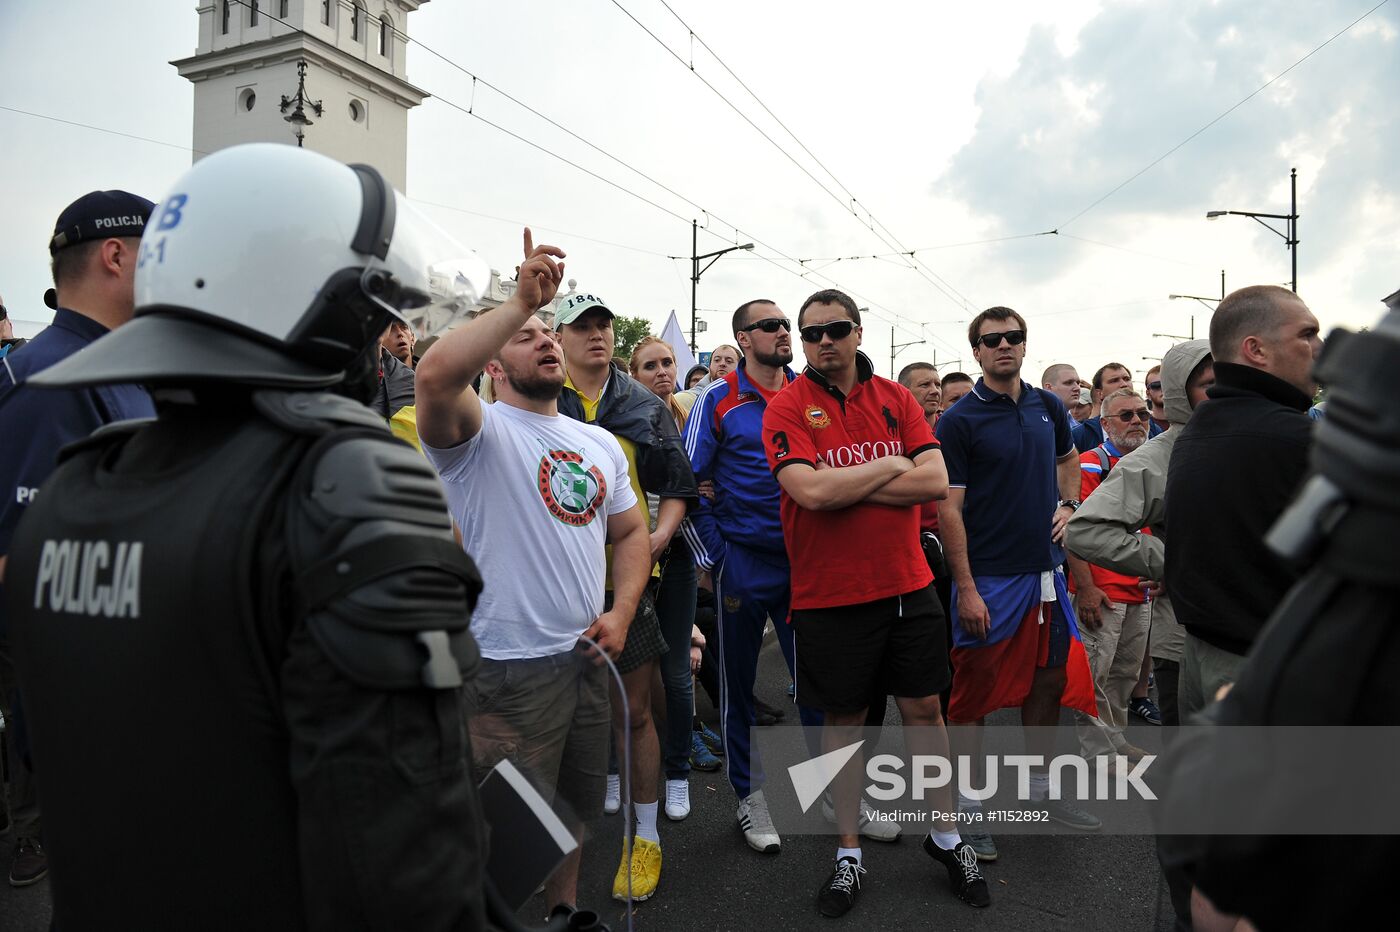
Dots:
(441, 280)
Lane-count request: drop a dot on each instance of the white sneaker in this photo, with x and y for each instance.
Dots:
(869, 826)
(677, 799)
(757, 824)
(613, 800)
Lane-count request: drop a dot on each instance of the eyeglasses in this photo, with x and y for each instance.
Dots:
(1142, 414)
(836, 329)
(993, 340)
(769, 325)
(1154, 386)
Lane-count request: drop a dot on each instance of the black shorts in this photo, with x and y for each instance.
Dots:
(890, 647)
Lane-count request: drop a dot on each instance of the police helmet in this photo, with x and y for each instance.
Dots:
(270, 265)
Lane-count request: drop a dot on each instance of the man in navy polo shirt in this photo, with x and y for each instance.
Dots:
(1013, 482)
(855, 459)
(95, 249)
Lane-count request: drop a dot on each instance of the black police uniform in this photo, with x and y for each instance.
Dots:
(244, 626)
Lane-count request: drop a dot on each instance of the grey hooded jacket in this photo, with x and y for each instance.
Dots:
(1104, 531)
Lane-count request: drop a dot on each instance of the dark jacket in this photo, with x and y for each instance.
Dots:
(395, 386)
(1236, 465)
(630, 410)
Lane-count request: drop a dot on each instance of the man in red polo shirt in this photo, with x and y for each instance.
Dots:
(855, 459)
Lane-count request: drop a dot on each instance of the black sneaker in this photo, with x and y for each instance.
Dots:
(838, 895)
(962, 871)
(30, 865)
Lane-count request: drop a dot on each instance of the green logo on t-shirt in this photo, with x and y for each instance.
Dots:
(572, 491)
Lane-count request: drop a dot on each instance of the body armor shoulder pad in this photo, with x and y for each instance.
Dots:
(314, 413)
(117, 431)
(386, 589)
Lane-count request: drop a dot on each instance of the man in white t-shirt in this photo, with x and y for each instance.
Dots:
(537, 496)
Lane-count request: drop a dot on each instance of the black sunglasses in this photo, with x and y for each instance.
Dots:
(836, 329)
(1142, 414)
(769, 325)
(1154, 386)
(993, 340)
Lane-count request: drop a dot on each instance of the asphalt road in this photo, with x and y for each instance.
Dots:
(712, 880)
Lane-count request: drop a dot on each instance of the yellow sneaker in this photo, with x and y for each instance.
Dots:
(645, 870)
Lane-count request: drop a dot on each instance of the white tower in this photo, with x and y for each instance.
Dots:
(245, 75)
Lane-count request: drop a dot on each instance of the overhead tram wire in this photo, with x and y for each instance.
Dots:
(948, 292)
(910, 253)
(912, 259)
(1161, 158)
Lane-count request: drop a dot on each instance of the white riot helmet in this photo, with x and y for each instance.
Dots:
(271, 265)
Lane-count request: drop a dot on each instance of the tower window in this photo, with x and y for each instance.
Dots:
(357, 19)
(326, 11)
(253, 12)
(282, 9)
(223, 19)
(386, 30)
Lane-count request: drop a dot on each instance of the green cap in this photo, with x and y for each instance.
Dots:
(576, 305)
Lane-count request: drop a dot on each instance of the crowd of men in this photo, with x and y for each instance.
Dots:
(961, 545)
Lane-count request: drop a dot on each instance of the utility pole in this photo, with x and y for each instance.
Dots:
(696, 271)
(896, 348)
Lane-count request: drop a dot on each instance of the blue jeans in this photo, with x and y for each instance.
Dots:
(675, 609)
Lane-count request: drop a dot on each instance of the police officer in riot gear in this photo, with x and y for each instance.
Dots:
(243, 627)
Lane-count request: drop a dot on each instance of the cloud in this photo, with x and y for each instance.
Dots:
(1062, 129)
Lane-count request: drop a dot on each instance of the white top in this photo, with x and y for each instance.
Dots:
(532, 494)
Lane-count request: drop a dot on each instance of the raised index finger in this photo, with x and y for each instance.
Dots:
(529, 243)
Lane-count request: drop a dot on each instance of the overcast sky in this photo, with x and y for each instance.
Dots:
(947, 124)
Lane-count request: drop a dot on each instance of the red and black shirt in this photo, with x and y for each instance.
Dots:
(866, 551)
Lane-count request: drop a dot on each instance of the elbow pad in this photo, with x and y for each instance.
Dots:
(384, 588)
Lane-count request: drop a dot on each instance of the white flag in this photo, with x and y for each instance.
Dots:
(674, 335)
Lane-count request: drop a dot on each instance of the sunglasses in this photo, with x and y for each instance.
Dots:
(993, 340)
(1141, 414)
(836, 329)
(769, 325)
(1154, 386)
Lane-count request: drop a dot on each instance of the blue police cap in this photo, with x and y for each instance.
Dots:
(100, 215)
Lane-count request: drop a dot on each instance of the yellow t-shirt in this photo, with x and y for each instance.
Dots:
(629, 449)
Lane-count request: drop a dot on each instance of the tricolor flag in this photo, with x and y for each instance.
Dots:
(996, 673)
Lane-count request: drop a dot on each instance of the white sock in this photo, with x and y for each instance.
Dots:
(1040, 786)
(946, 840)
(853, 853)
(646, 821)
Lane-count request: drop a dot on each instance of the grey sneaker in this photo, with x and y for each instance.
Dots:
(757, 824)
(1069, 815)
(976, 836)
(869, 826)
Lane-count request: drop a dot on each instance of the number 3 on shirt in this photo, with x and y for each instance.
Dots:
(780, 442)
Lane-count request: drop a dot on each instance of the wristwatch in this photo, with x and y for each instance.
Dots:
(1071, 503)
